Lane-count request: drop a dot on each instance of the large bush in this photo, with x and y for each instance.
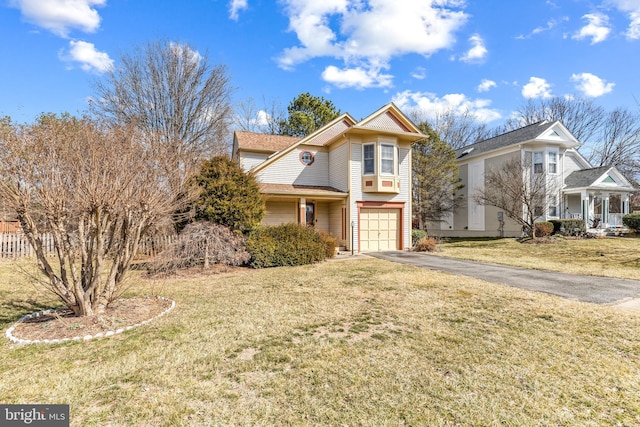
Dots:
(632, 221)
(568, 227)
(227, 195)
(287, 244)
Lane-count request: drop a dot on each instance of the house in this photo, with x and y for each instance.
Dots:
(350, 178)
(600, 195)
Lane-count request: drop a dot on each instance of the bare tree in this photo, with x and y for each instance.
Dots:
(97, 190)
(458, 129)
(519, 192)
(620, 142)
(249, 117)
(580, 115)
(169, 91)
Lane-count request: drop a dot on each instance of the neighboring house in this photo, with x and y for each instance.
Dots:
(350, 178)
(599, 195)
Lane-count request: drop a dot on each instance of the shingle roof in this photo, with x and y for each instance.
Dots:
(585, 177)
(264, 142)
(299, 189)
(517, 136)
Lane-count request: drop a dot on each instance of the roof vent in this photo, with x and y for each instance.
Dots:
(465, 152)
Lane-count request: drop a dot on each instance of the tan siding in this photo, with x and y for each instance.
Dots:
(290, 170)
(280, 213)
(250, 160)
(339, 167)
(335, 221)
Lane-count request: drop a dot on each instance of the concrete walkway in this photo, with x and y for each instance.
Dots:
(599, 290)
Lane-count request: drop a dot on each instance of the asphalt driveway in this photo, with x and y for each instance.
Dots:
(598, 290)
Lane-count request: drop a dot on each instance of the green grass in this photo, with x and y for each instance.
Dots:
(609, 257)
(358, 342)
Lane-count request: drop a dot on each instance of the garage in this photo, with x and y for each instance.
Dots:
(379, 229)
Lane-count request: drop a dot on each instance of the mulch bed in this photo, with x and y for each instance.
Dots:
(62, 323)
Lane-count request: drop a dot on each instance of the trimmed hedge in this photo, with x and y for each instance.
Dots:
(287, 245)
(632, 221)
(571, 226)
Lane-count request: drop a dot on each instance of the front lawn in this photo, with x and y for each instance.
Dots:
(357, 342)
(610, 257)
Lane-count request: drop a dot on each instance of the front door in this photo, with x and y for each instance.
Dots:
(311, 214)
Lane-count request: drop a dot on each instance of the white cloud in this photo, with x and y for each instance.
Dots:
(88, 57)
(60, 16)
(366, 34)
(591, 85)
(430, 105)
(235, 7)
(358, 77)
(537, 88)
(632, 7)
(477, 52)
(419, 73)
(485, 85)
(597, 28)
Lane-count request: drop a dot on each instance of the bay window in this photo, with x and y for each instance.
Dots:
(387, 159)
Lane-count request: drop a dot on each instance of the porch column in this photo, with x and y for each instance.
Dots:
(625, 204)
(585, 208)
(303, 210)
(605, 208)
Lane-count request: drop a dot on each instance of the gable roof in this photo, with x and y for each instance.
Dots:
(592, 178)
(518, 136)
(252, 141)
(393, 123)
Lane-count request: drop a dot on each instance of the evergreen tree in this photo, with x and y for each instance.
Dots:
(435, 178)
(228, 195)
(307, 113)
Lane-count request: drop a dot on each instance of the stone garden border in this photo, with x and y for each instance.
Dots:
(15, 340)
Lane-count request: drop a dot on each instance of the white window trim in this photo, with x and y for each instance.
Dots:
(393, 159)
(549, 163)
(364, 173)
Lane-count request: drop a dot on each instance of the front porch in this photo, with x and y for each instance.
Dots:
(600, 210)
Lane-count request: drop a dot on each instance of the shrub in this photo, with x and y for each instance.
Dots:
(543, 229)
(632, 221)
(417, 235)
(426, 244)
(285, 245)
(330, 243)
(568, 227)
(201, 243)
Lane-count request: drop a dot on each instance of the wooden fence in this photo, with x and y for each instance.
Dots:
(16, 245)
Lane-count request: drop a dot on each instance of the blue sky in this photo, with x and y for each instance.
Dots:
(485, 56)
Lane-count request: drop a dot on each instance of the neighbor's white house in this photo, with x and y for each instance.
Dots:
(599, 195)
(350, 178)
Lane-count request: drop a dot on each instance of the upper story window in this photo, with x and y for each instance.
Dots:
(369, 159)
(387, 159)
(538, 159)
(553, 162)
(307, 158)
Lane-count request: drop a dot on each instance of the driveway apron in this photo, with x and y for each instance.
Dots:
(593, 289)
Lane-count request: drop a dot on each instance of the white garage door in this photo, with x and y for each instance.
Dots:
(379, 229)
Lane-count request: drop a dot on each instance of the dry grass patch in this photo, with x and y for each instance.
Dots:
(607, 257)
(361, 342)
